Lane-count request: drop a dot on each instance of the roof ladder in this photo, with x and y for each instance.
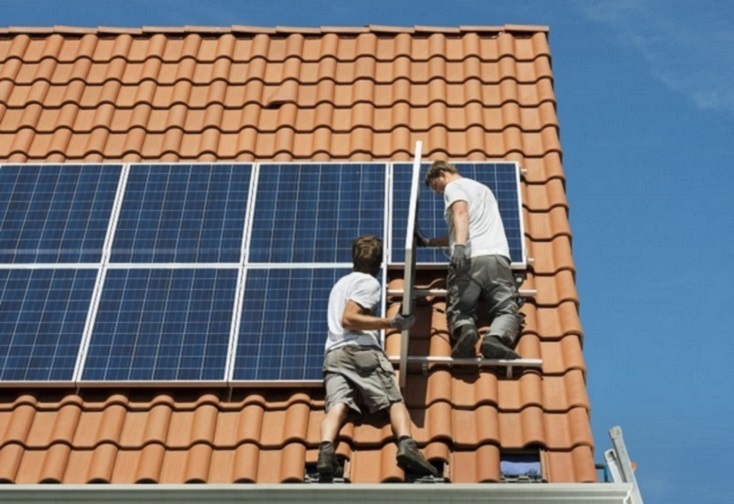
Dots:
(620, 465)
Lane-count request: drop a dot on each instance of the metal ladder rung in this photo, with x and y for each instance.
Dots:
(426, 362)
(526, 293)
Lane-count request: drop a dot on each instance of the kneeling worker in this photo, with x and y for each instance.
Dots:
(356, 370)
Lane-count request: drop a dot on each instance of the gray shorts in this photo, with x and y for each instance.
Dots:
(360, 376)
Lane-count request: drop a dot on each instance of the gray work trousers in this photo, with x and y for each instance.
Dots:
(489, 277)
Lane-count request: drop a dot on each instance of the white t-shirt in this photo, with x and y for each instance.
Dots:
(486, 232)
(364, 290)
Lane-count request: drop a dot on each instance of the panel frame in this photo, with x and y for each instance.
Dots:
(243, 266)
(247, 265)
(102, 273)
(80, 383)
(108, 265)
(62, 265)
(55, 384)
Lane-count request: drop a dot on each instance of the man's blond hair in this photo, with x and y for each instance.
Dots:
(367, 254)
(437, 167)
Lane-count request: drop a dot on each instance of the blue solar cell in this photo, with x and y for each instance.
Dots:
(42, 318)
(499, 177)
(310, 213)
(284, 327)
(182, 213)
(55, 213)
(162, 324)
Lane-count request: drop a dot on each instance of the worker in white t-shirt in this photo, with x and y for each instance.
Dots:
(480, 265)
(357, 373)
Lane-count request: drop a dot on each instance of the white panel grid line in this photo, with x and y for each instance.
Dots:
(271, 266)
(169, 265)
(42, 266)
(241, 276)
(249, 215)
(101, 275)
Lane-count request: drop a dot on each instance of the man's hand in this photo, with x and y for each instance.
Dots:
(402, 322)
(459, 260)
(421, 239)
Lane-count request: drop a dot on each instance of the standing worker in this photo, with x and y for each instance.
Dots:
(480, 265)
(356, 372)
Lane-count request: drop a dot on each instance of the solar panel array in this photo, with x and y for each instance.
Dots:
(200, 273)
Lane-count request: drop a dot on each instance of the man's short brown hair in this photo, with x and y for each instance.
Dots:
(367, 254)
(436, 168)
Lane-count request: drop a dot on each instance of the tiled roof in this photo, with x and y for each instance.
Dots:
(247, 93)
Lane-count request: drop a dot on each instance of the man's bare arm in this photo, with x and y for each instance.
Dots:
(357, 318)
(439, 241)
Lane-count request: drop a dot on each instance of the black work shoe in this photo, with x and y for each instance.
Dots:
(465, 346)
(327, 464)
(411, 459)
(493, 348)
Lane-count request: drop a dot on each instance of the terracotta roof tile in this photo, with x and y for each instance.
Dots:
(360, 93)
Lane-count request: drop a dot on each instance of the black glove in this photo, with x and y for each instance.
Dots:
(421, 239)
(402, 322)
(459, 260)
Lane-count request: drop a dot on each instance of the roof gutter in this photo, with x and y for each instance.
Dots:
(556, 493)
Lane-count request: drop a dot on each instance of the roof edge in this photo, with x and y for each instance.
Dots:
(309, 30)
(603, 493)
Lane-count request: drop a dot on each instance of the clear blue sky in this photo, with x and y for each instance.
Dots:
(646, 105)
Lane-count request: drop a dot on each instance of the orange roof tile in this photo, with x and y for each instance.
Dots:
(284, 93)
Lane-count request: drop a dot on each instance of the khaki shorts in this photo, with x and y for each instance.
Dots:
(360, 376)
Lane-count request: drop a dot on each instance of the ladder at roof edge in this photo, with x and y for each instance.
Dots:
(620, 465)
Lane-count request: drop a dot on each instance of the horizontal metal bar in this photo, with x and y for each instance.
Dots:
(275, 383)
(40, 266)
(251, 265)
(153, 265)
(36, 384)
(150, 383)
(515, 266)
(406, 493)
(442, 292)
(473, 361)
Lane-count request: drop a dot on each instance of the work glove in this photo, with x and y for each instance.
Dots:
(421, 239)
(402, 322)
(459, 260)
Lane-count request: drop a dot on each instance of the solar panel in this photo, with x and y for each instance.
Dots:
(55, 213)
(162, 325)
(501, 178)
(284, 325)
(310, 213)
(42, 317)
(182, 213)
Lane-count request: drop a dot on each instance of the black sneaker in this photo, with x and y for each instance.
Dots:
(493, 348)
(327, 464)
(465, 346)
(411, 459)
